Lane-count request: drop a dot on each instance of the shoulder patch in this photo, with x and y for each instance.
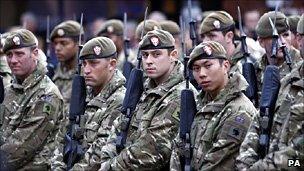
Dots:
(236, 132)
(46, 108)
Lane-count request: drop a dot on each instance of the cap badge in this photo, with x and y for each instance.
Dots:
(110, 29)
(207, 50)
(155, 27)
(154, 41)
(97, 50)
(16, 40)
(217, 24)
(60, 32)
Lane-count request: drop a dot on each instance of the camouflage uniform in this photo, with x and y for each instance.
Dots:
(5, 71)
(218, 128)
(284, 68)
(63, 79)
(153, 127)
(100, 113)
(286, 129)
(32, 112)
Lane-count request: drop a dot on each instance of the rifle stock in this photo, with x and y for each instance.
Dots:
(50, 66)
(127, 66)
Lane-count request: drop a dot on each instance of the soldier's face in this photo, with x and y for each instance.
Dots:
(266, 43)
(97, 72)
(65, 49)
(22, 61)
(158, 63)
(210, 74)
(118, 41)
(214, 36)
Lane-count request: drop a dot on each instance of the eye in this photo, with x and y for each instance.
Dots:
(145, 55)
(196, 68)
(208, 66)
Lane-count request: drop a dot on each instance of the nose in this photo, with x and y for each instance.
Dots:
(148, 59)
(283, 41)
(13, 59)
(202, 72)
(57, 47)
(206, 38)
(86, 70)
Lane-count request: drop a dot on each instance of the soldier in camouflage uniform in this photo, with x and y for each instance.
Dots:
(5, 71)
(65, 41)
(264, 32)
(287, 133)
(32, 108)
(224, 112)
(219, 26)
(113, 29)
(293, 23)
(154, 123)
(106, 93)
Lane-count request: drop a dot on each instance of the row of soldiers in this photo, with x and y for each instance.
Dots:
(226, 127)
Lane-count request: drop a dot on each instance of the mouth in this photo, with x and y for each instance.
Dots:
(150, 70)
(205, 83)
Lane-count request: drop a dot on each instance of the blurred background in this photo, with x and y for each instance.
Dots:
(32, 14)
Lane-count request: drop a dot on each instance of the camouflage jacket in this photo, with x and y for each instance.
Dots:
(288, 118)
(218, 129)
(100, 113)
(5, 71)
(152, 129)
(32, 112)
(261, 64)
(63, 80)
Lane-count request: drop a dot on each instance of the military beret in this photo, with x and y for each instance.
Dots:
(157, 39)
(150, 25)
(68, 28)
(207, 50)
(111, 27)
(170, 26)
(293, 22)
(19, 39)
(300, 28)
(98, 47)
(217, 21)
(264, 29)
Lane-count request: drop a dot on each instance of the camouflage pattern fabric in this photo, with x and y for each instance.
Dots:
(218, 128)
(63, 80)
(100, 113)
(261, 64)
(31, 114)
(5, 71)
(286, 141)
(153, 127)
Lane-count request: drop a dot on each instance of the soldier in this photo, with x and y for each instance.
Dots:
(264, 32)
(224, 112)
(65, 41)
(113, 29)
(106, 93)
(173, 28)
(293, 22)
(32, 108)
(286, 139)
(5, 71)
(219, 26)
(155, 121)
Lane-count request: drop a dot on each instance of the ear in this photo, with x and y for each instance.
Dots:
(229, 37)
(173, 55)
(298, 38)
(35, 54)
(112, 64)
(226, 65)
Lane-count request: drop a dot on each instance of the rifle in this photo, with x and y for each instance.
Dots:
(127, 66)
(1, 90)
(275, 36)
(50, 66)
(73, 150)
(188, 110)
(192, 24)
(248, 69)
(134, 91)
(270, 91)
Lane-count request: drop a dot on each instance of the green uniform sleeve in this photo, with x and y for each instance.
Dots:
(38, 123)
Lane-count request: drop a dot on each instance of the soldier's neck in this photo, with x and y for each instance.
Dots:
(230, 50)
(70, 64)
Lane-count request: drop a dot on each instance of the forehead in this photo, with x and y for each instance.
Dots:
(153, 50)
(18, 50)
(203, 61)
(63, 39)
(214, 32)
(95, 60)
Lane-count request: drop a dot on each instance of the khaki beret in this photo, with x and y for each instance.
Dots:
(150, 25)
(300, 28)
(293, 22)
(217, 21)
(207, 50)
(264, 29)
(111, 27)
(170, 26)
(157, 39)
(98, 47)
(19, 39)
(68, 28)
